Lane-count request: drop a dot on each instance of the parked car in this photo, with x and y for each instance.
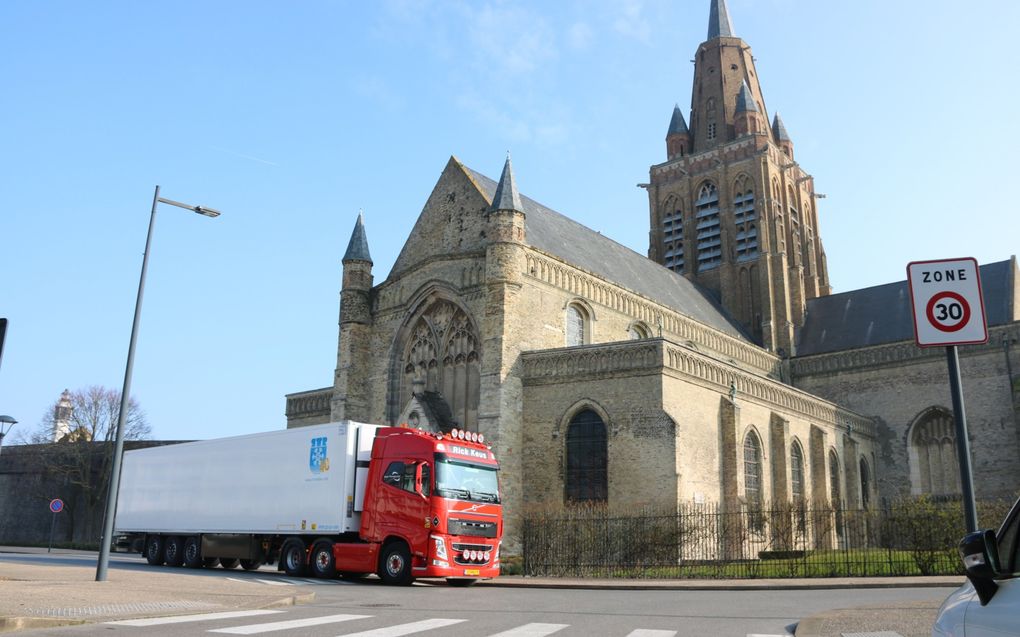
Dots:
(989, 603)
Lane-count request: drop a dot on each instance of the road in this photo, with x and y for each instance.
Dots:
(369, 609)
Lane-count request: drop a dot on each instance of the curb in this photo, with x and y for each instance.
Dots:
(688, 585)
(11, 624)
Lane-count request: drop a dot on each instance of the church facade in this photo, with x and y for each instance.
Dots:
(716, 369)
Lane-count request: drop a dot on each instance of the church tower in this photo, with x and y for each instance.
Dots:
(351, 387)
(730, 208)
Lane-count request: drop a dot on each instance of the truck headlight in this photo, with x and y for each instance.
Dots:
(440, 548)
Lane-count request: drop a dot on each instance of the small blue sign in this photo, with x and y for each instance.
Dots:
(318, 459)
(56, 505)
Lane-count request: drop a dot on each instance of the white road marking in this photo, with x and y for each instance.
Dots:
(181, 619)
(647, 632)
(273, 582)
(407, 629)
(255, 629)
(531, 630)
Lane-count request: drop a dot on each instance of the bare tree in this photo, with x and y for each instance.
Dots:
(85, 421)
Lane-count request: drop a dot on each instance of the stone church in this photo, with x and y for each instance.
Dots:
(717, 369)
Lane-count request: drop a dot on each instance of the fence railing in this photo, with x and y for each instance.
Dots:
(911, 537)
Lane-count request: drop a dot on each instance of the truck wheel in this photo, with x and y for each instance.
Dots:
(229, 563)
(293, 558)
(251, 565)
(323, 561)
(173, 551)
(193, 552)
(154, 550)
(460, 582)
(210, 562)
(395, 564)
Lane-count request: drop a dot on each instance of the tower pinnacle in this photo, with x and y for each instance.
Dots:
(719, 24)
(506, 197)
(357, 249)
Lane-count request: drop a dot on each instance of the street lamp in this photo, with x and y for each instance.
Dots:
(111, 498)
(6, 422)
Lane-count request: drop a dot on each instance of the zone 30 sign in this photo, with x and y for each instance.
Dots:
(947, 302)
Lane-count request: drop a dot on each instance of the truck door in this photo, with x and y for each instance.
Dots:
(404, 505)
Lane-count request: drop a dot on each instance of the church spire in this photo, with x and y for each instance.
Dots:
(744, 101)
(357, 249)
(782, 137)
(678, 137)
(719, 24)
(506, 197)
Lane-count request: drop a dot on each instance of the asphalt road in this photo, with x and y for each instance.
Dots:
(370, 609)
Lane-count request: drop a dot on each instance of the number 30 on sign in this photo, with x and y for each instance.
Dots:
(947, 302)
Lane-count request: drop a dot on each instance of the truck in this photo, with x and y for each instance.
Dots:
(344, 498)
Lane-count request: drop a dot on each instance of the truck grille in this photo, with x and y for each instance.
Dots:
(472, 527)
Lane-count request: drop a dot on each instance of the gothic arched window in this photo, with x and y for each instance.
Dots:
(442, 355)
(933, 453)
(673, 235)
(797, 472)
(577, 325)
(865, 484)
(587, 459)
(637, 331)
(752, 469)
(707, 226)
(744, 216)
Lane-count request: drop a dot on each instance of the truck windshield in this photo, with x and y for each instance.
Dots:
(465, 481)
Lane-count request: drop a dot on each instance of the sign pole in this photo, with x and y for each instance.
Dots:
(53, 527)
(962, 439)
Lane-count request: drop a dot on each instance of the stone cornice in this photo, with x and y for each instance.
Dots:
(309, 403)
(557, 273)
(894, 354)
(659, 356)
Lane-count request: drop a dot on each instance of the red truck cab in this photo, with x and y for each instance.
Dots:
(431, 508)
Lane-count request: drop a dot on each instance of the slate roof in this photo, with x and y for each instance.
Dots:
(551, 232)
(506, 197)
(677, 123)
(357, 249)
(744, 102)
(882, 314)
(780, 129)
(719, 24)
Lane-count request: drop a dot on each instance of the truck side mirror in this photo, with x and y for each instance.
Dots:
(980, 554)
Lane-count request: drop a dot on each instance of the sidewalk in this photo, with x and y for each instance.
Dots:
(36, 596)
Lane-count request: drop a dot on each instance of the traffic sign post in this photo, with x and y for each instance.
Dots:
(56, 506)
(949, 310)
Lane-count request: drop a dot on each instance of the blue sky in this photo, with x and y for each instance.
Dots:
(292, 116)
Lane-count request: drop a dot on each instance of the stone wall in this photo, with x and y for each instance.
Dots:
(896, 383)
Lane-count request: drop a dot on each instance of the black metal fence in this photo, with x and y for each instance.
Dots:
(911, 537)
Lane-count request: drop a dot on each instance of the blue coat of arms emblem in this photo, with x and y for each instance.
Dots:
(318, 460)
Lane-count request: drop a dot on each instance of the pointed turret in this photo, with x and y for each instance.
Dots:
(719, 24)
(745, 103)
(746, 118)
(678, 137)
(506, 197)
(782, 137)
(357, 249)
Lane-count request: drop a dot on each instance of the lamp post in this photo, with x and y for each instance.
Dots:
(111, 499)
(6, 422)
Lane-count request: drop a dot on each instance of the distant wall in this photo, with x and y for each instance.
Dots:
(29, 481)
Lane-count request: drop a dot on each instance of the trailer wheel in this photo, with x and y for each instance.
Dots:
(323, 561)
(251, 565)
(154, 550)
(293, 558)
(210, 562)
(395, 564)
(173, 551)
(229, 563)
(193, 552)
